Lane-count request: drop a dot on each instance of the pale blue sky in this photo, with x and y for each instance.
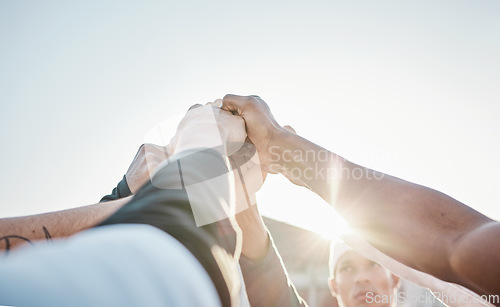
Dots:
(405, 87)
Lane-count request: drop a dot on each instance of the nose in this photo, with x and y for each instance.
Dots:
(362, 276)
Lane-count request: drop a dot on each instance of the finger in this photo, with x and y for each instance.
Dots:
(217, 103)
(233, 103)
(289, 128)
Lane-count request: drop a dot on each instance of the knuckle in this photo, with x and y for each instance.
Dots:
(194, 106)
(250, 100)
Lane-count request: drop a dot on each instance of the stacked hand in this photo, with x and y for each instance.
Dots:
(202, 127)
(262, 130)
(209, 126)
(225, 129)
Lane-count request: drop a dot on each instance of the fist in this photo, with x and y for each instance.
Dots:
(209, 127)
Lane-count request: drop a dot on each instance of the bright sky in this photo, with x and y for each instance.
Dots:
(409, 88)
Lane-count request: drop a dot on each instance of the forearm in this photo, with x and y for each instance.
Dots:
(402, 219)
(17, 231)
(255, 239)
(424, 229)
(300, 159)
(263, 271)
(266, 280)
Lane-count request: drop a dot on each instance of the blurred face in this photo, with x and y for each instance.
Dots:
(362, 282)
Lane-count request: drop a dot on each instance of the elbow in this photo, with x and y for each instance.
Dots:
(474, 259)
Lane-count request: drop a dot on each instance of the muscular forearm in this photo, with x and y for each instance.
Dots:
(402, 219)
(17, 231)
(416, 225)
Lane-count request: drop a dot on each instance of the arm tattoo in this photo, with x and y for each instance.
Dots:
(9, 238)
(7, 241)
(48, 237)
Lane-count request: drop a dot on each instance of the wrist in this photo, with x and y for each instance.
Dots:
(279, 150)
(255, 236)
(258, 251)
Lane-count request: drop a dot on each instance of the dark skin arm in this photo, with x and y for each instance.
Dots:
(418, 226)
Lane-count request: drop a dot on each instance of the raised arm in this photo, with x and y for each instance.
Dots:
(23, 230)
(17, 231)
(265, 275)
(416, 225)
(27, 229)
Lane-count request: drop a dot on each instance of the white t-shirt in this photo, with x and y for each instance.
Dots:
(118, 265)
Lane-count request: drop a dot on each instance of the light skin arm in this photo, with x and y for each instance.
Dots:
(255, 243)
(416, 225)
(265, 276)
(17, 231)
(25, 230)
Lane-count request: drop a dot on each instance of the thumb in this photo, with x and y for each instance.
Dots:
(233, 103)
